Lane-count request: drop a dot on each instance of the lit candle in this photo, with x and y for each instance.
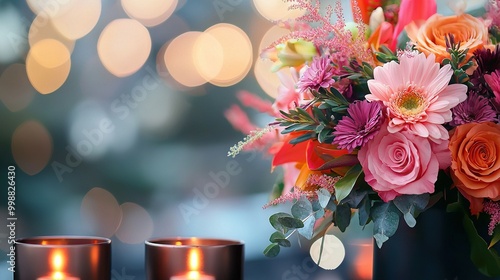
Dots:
(57, 263)
(194, 263)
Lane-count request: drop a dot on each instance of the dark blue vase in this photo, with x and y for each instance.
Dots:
(437, 248)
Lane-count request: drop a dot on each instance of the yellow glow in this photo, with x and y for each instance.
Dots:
(136, 224)
(123, 46)
(31, 147)
(208, 56)
(193, 275)
(178, 243)
(50, 53)
(194, 260)
(237, 53)
(58, 276)
(47, 65)
(57, 261)
(101, 212)
(149, 12)
(76, 18)
(179, 60)
(276, 10)
(16, 91)
(42, 28)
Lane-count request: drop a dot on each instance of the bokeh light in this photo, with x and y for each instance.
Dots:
(149, 12)
(237, 53)
(124, 46)
(42, 28)
(13, 42)
(31, 147)
(267, 80)
(100, 212)
(48, 65)
(275, 10)
(16, 91)
(75, 18)
(179, 60)
(136, 225)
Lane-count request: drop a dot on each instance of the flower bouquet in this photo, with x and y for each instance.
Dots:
(388, 117)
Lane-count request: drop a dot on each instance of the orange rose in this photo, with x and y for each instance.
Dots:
(475, 166)
(430, 36)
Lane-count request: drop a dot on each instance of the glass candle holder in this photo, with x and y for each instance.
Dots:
(194, 259)
(63, 258)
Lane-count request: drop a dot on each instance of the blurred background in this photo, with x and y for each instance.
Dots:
(112, 113)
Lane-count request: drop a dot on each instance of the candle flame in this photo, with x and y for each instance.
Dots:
(57, 275)
(194, 259)
(57, 261)
(178, 243)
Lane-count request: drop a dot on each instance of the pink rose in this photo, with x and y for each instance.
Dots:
(402, 163)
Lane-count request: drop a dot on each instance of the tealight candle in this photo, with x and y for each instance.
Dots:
(63, 258)
(194, 262)
(194, 259)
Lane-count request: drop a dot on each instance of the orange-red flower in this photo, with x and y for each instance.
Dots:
(475, 167)
(309, 157)
(471, 32)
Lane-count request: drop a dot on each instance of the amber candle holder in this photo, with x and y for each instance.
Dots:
(63, 258)
(194, 259)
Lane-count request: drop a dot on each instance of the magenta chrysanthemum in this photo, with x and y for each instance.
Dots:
(318, 75)
(360, 126)
(492, 208)
(475, 109)
(417, 95)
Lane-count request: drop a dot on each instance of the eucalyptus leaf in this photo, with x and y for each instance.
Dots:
(317, 209)
(308, 229)
(344, 186)
(291, 222)
(323, 197)
(272, 250)
(302, 208)
(276, 223)
(364, 211)
(342, 217)
(411, 206)
(278, 237)
(385, 221)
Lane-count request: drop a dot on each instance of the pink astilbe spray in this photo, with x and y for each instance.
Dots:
(493, 12)
(316, 181)
(492, 208)
(333, 37)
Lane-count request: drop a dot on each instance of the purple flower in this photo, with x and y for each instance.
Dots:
(318, 75)
(360, 125)
(475, 108)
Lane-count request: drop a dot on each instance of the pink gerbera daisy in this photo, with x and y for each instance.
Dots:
(417, 95)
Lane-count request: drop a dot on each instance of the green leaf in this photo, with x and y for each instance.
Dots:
(272, 250)
(276, 223)
(343, 160)
(364, 211)
(308, 229)
(385, 221)
(277, 189)
(344, 186)
(291, 222)
(411, 206)
(278, 237)
(495, 238)
(302, 208)
(323, 197)
(302, 138)
(486, 260)
(318, 210)
(342, 217)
